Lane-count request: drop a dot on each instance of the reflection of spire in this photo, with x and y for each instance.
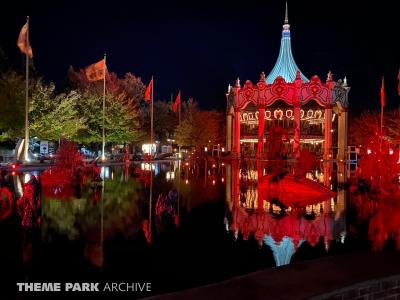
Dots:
(285, 65)
(284, 251)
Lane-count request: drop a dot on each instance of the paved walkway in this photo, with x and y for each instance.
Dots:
(300, 280)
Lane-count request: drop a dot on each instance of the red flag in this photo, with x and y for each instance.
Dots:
(398, 86)
(382, 93)
(96, 71)
(177, 102)
(23, 41)
(147, 93)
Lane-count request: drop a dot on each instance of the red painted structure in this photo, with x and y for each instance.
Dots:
(287, 83)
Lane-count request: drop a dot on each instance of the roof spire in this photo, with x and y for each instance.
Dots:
(285, 65)
(286, 15)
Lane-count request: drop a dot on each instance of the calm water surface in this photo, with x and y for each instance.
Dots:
(217, 223)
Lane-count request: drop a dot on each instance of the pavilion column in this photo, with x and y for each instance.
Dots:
(328, 134)
(235, 183)
(228, 185)
(342, 135)
(260, 145)
(229, 132)
(342, 145)
(296, 137)
(260, 173)
(236, 132)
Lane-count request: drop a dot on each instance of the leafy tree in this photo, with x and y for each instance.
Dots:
(123, 97)
(165, 121)
(52, 115)
(199, 127)
(365, 126)
(12, 103)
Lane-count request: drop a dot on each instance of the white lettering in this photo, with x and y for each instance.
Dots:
(39, 287)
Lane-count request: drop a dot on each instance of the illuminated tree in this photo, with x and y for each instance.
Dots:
(199, 127)
(52, 115)
(122, 119)
(12, 103)
(364, 127)
(165, 121)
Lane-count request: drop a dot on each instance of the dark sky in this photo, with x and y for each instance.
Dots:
(200, 46)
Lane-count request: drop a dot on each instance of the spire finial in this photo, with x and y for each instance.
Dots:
(286, 15)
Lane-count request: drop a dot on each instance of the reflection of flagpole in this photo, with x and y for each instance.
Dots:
(103, 156)
(102, 211)
(382, 105)
(179, 186)
(151, 153)
(26, 142)
(152, 118)
(180, 101)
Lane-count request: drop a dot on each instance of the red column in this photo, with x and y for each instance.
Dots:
(260, 202)
(236, 139)
(260, 145)
(296, 142)
(328, 133)
(235, 183)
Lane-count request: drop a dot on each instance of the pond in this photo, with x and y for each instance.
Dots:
(206, 222)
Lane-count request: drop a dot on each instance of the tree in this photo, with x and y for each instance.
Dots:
(165, 121)
(52, 115)
(123, 97)
(12, 103)
(364, 127)
(199, 127)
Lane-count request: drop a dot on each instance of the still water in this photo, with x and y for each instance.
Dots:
(206, 222)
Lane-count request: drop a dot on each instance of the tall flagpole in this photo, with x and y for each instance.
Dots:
(180, 101)
(382, 104)
(103, 155)
(151, 152)
(151, 125)
(26, 141)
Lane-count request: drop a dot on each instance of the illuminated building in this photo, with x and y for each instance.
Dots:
(312, 112)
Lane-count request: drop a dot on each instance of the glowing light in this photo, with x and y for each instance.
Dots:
(170, 175)
(223, 179)
(223, 164)
(223, 149)
(146, 148)
(187, 181)
(26, 178)
(205, 149)
(186, 164)
(13, 173)
(391, 151)
(369, 151)
(213, 182)
(213, 165)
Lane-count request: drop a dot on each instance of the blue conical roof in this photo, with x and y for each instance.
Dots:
(285, 65)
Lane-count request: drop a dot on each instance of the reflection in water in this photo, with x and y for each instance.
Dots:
(116, 221)
(282, 211)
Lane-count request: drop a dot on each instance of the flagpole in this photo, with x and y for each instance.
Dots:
(382, 104)
(26, 141)
(103, 155)
(151, 154)
(180, 108)
(179, 147)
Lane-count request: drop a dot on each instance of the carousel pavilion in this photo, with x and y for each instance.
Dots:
(311, 113)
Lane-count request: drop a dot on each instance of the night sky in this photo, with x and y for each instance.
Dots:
(200, 47)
